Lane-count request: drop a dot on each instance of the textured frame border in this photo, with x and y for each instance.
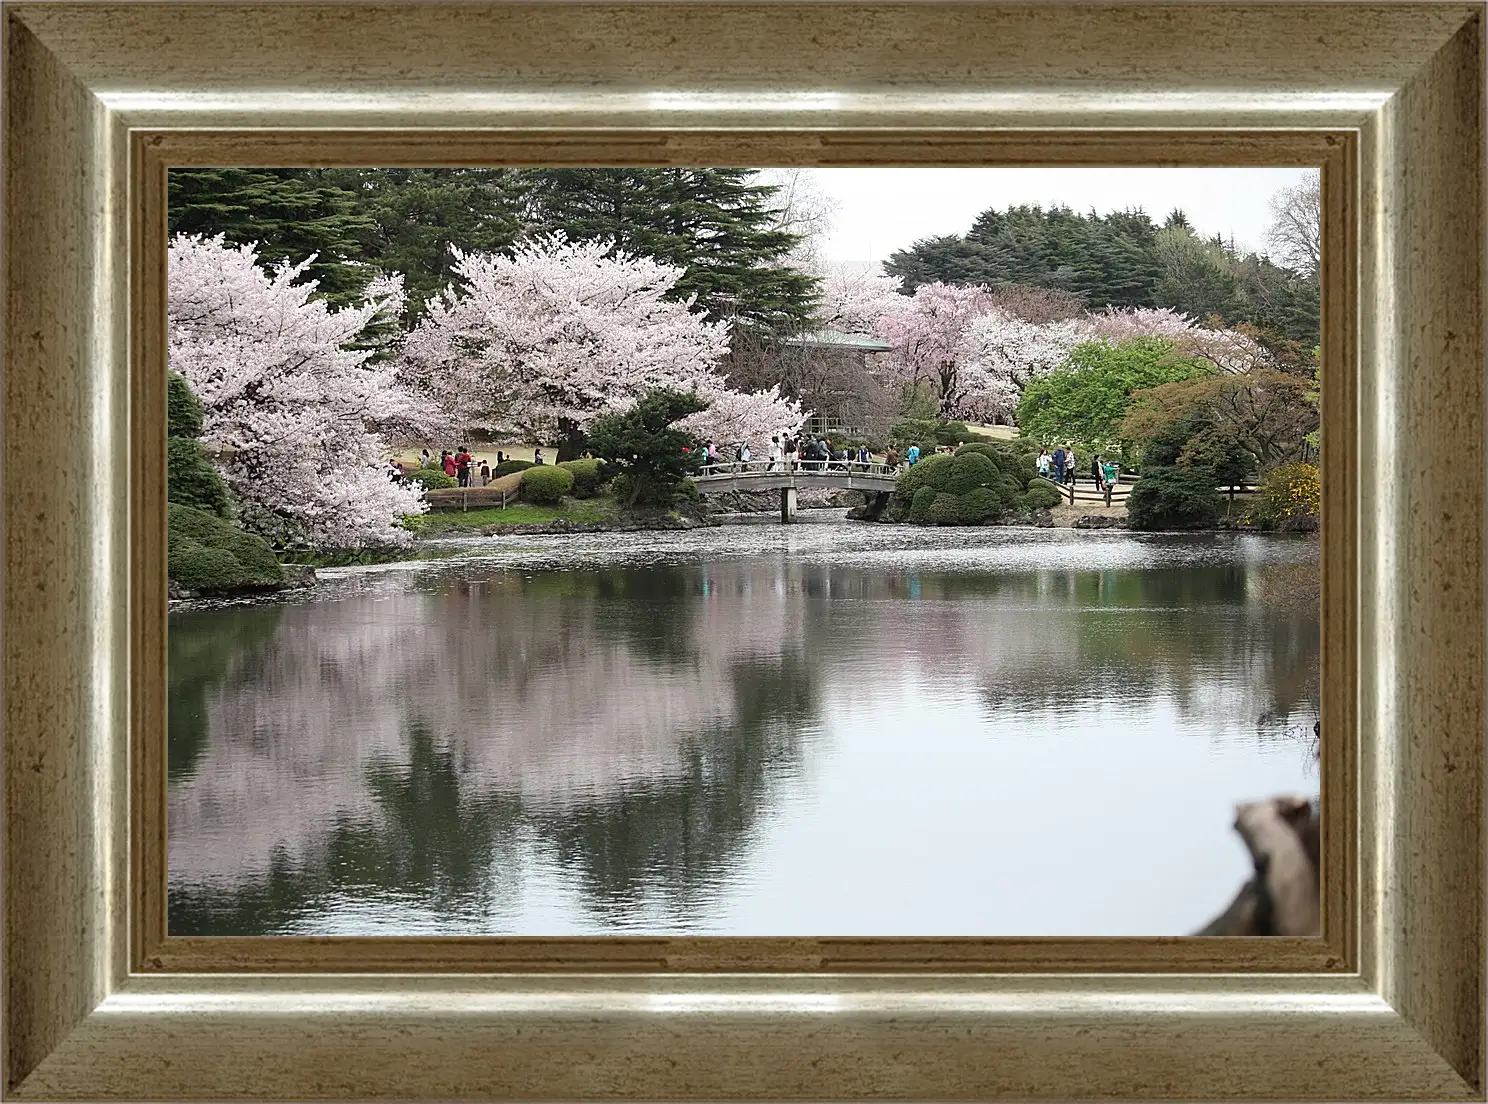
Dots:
(1389, 98)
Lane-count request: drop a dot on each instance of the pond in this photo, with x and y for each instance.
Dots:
(821, 729)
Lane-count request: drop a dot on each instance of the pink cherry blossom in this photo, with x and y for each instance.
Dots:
(288, 405)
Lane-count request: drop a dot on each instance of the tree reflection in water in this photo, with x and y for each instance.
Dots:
(428, 746)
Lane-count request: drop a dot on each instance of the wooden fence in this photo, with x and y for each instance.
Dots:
(498, 494)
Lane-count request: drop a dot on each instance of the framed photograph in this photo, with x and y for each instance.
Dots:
(574, 930)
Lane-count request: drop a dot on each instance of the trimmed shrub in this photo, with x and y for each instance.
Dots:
(1173, 498)
(919, 475)
(945, 509)
(588, 481)
(506, 467)
(980, 504)
(432, 479)
(964, 473)
(988, 449)
(546, 485)
(1041, 495)
(191, 480)
(211, 555)
(1286, 493)
(919, 507)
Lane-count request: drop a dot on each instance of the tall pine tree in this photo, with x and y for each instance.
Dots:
(713, 223)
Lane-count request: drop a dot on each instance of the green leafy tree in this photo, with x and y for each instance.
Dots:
(1197, 278)
(1085, 401)
(648, 457)
(1103, 260)
(1123, 260)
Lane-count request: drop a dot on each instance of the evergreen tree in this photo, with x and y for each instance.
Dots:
(418, 214)
(1108, 261)
(290, 213)
(713, 223)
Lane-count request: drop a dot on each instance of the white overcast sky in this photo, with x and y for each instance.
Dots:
(881, 210)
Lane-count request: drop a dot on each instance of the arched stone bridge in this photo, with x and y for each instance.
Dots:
(874, 480)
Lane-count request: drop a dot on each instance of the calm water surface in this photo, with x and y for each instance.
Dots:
(826, 729)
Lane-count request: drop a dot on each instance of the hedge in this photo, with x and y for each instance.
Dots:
(980, 483)
(191, 479)
(545, 485)
(965, 473)
(506, 467)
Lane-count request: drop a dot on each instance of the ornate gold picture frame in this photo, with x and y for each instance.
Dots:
(101, 99)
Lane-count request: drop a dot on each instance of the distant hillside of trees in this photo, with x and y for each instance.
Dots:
(1121, 260)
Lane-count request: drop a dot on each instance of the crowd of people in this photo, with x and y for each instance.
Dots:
(1059, 467)
(459, 464)
(789, 452)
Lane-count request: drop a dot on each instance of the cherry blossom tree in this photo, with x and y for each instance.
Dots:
(288, 400)
(1123, 325)
(735, 416)
(1001, 353)
(1228, 350)
(929, 337)
(545, 339)
(852, 298)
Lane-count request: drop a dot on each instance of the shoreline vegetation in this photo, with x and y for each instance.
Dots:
(985, 479)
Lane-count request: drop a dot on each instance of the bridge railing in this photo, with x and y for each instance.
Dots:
(800, 467)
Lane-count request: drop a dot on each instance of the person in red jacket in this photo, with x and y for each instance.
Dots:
(462, 466)
(447, 462)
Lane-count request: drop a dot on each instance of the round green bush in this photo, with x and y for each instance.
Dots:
(545, 486)
(920, 475)
(919, 508)
(980, 504)
(206, 553)
(432, 479)
(945, 509)
(988, 449)
(1041, 495)
(966, 472)
(588, 482)
(935, 469)
(1173, 498)
(1008, 489)
(506, 467)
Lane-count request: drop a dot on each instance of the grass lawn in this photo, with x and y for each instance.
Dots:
(997, 432)
(521, 513)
